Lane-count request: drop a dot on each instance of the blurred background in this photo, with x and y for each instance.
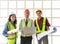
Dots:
(50, 9)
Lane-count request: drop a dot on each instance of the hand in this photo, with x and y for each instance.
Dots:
(47, 28)
(10, 34)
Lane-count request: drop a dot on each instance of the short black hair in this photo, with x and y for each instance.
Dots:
(9, 19)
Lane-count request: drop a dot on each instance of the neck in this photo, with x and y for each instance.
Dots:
(39, 17)
(27, 18)
(12, 21)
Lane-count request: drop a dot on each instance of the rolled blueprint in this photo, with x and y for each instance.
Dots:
(41, 35)
(12, 31)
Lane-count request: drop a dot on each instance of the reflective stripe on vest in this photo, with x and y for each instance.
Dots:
(43, 26)
(11, 27)
(29, 24)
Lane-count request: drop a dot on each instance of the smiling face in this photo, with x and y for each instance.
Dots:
(27, 13)
(13, 18)
(38, 13)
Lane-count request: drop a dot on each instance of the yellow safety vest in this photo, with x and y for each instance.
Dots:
(11, 27)
(29, 24)
(43, 26)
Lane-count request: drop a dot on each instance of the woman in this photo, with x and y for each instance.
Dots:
(11, 25)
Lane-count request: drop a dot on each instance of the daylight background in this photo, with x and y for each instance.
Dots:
(50, 9)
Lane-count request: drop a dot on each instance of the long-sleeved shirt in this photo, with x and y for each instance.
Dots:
(6, 29)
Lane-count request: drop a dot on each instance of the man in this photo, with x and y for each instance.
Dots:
(42, 24)
(26, 39)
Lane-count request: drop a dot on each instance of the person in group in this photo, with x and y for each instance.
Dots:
(26, 22)
(11, 25)
(42, 25)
